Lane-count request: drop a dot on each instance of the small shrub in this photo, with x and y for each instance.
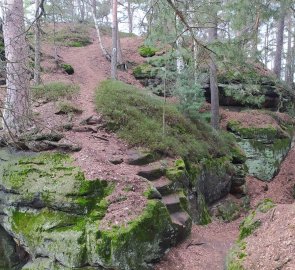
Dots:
(146, 51)
(54, 90)
(67, 68)
(145, 71)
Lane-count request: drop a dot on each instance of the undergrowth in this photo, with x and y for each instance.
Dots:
(71, 35)
(137, 117)
(54, 90)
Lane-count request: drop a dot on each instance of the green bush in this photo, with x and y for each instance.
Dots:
(54, 90)
(137, 117)
(67, 68)
(146, 51)
(145, 71)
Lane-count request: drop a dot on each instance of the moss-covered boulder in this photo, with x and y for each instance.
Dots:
(265, 147)
(49, 207)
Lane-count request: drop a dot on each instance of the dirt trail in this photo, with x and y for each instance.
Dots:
(207, 246)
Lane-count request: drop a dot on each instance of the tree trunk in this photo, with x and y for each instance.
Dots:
(213, 80)
(114, 41)
(266, 45)
(96, 23)
(16, 115)
(289, 70)
(119, 49)
(37, 65)
(280, 46)
(130, 16)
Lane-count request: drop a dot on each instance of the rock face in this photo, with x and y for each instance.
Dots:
(49, 207)
(11, 256)
(264, 147)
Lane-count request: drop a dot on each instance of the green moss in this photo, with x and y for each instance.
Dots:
(236, 256)
(229, 211)
(137, 117)
(68, 68)
(265, 205)
(269, 133)
(204, 217)
(134, 244)
(54, 90)
(249, 225)
(177, 172)
(74, 35)
(145, 71)
(146, 51)
(54, 181)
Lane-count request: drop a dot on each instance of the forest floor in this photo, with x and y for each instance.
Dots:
(207, 246)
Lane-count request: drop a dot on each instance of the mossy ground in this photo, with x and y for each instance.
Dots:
(137, 117)
(77, 35)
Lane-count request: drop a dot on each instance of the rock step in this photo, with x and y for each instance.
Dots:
(140, 157)
(163, 185)
(181, 218)
(152, 172)
(172, 203)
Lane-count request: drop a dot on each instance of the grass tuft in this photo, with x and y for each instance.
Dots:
(54, 90)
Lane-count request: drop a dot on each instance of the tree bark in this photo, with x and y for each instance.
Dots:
(17, 113)
(289, 61)
(96, 23)
(213, 79)
(130, 17)
(279, 46)
(37, 65)
(114, 41)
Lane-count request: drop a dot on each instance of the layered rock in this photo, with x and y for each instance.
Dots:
(265, 147)
(52, 211)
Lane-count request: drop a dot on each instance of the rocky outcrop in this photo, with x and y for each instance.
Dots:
(265, 147)
(187, 189)
(54, 213)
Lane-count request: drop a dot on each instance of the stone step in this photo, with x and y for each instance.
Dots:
(182, 223)
(172, 202)
(181, 218)
(152, 172)
(164, 186)
(140, 157)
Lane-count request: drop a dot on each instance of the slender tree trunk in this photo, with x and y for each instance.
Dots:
(16, 115)
(289, 71)
(279, 46)
(96, 23)
(266, 45)
(119, 49)
(213, 80)
(37, 65)
(130, 17)
(114, 41)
